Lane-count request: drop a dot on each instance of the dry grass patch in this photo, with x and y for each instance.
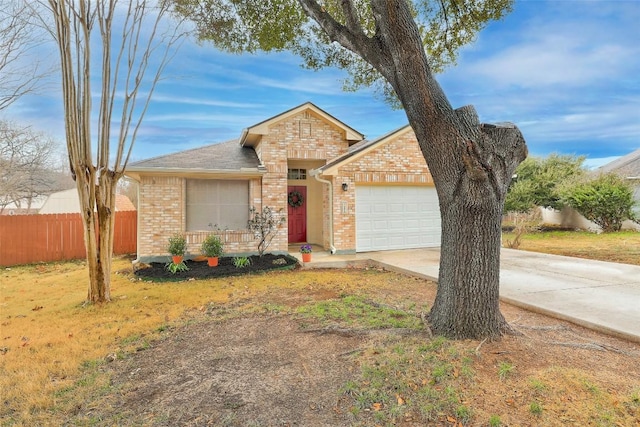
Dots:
(49, 336)
(623, 247)
(47, 331)
(177, 345)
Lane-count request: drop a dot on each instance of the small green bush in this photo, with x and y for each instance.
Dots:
(212, 246)
(538, 180)
(606, 200)
(177, 244)
(174, 268)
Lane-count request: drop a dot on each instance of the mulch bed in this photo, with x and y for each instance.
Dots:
(201, 270)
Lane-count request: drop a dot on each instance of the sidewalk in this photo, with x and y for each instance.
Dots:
(603, 296)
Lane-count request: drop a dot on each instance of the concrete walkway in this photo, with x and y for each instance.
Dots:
(603, 296)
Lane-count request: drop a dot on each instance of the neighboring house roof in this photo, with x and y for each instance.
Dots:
(61, 202)
(224, 157)
(123, 203)
(67, 201)
(626, 166)
(360, 149)
(21, 207)
(251, 136)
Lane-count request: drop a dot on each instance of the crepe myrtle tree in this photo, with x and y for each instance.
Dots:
(397, 46)
(123, 49)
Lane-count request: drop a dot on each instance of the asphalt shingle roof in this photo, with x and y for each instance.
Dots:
(229, 155)
(626, 166)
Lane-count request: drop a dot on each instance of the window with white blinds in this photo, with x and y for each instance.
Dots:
(214, 202)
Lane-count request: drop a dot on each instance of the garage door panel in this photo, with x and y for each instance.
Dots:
(396, 207)
(379, 208)
(410, 208)
(379, 225)
(382, 241)
(396, 217)
(412, 223)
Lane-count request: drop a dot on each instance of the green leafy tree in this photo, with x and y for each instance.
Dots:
(606, 200)
(538, 180)
(397, 46)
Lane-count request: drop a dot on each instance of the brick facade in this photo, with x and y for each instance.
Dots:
(393, 161)
(299, 140)
(162, 213)
(304, 139)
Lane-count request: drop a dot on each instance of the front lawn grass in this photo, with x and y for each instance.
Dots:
(52, 346)
(623, 247)
(49, 336)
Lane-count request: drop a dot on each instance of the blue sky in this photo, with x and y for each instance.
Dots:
(566, 72)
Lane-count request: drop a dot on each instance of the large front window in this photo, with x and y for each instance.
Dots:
(217, 203)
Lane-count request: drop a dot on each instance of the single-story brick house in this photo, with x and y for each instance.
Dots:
(335, 189)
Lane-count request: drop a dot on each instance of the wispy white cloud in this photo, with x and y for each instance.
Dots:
(565, 71)
(553, 61)
(191, 100)
(568, 43)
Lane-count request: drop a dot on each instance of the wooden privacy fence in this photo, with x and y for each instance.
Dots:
(25, 239)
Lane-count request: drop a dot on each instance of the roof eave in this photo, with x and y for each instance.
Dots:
(136, 173)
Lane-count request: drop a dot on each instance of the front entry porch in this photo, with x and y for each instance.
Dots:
(321, 258)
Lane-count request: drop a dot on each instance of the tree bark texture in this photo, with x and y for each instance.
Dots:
(471, 164)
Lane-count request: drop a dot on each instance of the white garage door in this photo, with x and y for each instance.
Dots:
(396, 218)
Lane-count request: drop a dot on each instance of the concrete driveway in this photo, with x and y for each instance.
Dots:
(604, 296)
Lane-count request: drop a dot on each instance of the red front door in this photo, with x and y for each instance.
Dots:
(297, 209)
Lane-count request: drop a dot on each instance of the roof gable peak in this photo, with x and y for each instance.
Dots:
(362, 148)
(251, 135)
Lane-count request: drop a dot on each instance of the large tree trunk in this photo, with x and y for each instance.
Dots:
(466, 304)
(471, 165)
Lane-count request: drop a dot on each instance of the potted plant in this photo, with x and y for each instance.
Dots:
(212, 249)
(305, 250)
(177, 247)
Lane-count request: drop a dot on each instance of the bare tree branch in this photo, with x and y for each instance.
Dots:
(20, 69)
(26, 165)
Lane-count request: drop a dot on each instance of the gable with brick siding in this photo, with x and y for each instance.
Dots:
(300, 151)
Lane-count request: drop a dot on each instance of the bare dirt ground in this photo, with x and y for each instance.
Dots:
(261, 368)
(257, 370)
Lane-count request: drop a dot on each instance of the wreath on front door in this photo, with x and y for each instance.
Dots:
(295, 199)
